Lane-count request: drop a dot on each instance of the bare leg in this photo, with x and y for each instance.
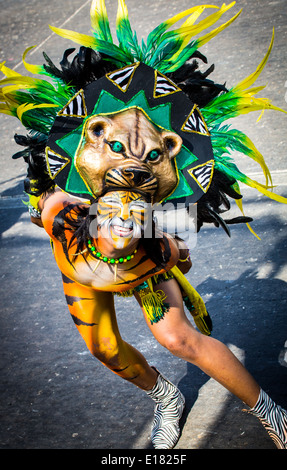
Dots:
(94, 315)
(177, 334)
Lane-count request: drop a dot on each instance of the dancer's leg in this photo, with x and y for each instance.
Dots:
(94, 315)
(175, 332)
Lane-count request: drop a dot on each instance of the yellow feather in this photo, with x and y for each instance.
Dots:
(188, 32)
(256, 104)
(247, 82)
(9, 99)
(82, 39)
(98, 10)
(258, 157)
(10, 89)
(5, 109)
(240, 206)
(8, 72)
(211, 19)
(192, 18)
(253, 91)
(188, 24)
(263, 190)
(204, 39)
(35, 69)
(194, 297)
(23, 108)
(171, 21)
(122, 11)
(20, 80)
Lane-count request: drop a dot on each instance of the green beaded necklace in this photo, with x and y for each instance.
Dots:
(100, 257)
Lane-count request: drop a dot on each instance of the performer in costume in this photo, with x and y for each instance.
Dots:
(122, 128)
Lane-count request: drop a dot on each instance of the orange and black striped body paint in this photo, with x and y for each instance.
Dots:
(90, 294)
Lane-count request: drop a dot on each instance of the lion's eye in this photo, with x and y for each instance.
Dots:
(116, 146)
(153, 155)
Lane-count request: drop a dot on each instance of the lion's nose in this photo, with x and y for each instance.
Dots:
(132, 178)
(136, 175)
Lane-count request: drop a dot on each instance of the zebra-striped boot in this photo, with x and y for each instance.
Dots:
(273, 418)
(168, 411)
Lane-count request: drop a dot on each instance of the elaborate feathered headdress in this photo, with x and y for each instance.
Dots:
(155, 76)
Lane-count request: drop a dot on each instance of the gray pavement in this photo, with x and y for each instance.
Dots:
(54, 394)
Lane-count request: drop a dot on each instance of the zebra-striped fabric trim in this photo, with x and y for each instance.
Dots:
(122, 77)
(195, 123)
(203, 175)
(55, 162)
(168, 411)
(163, 86)
(76, 107)
(273, 418)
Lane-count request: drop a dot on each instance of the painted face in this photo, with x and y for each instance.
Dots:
(121, 218)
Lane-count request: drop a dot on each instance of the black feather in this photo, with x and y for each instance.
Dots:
(85, 67)
(195, 84)
(239, 220)
(38, 179)
(216, 202)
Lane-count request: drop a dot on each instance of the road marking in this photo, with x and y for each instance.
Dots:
(50, 35)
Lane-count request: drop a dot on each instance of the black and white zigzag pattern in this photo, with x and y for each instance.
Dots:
(168, 411)
(203, 174)
(122, 77)
(164, 86)
(55, 162)
(273, 418)
(75, 107)
(195, 123)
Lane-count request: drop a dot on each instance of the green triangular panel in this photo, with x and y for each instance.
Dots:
(108, 104)
(75, 183)
(70, 143)
(182, 190)
(185, 158)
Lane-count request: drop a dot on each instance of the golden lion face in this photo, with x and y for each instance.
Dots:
(129, 143)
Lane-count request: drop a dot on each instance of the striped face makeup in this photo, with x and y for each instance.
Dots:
(121, 218)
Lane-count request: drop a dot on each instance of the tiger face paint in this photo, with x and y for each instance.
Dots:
(121, 219)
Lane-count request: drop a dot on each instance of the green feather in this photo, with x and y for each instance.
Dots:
(155, 37)
(168, 50)
(127, 39)
(227, 166)
(105, 47)
(225, 140)
(99, 21)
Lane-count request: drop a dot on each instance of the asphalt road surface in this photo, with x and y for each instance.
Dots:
(54, 394)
